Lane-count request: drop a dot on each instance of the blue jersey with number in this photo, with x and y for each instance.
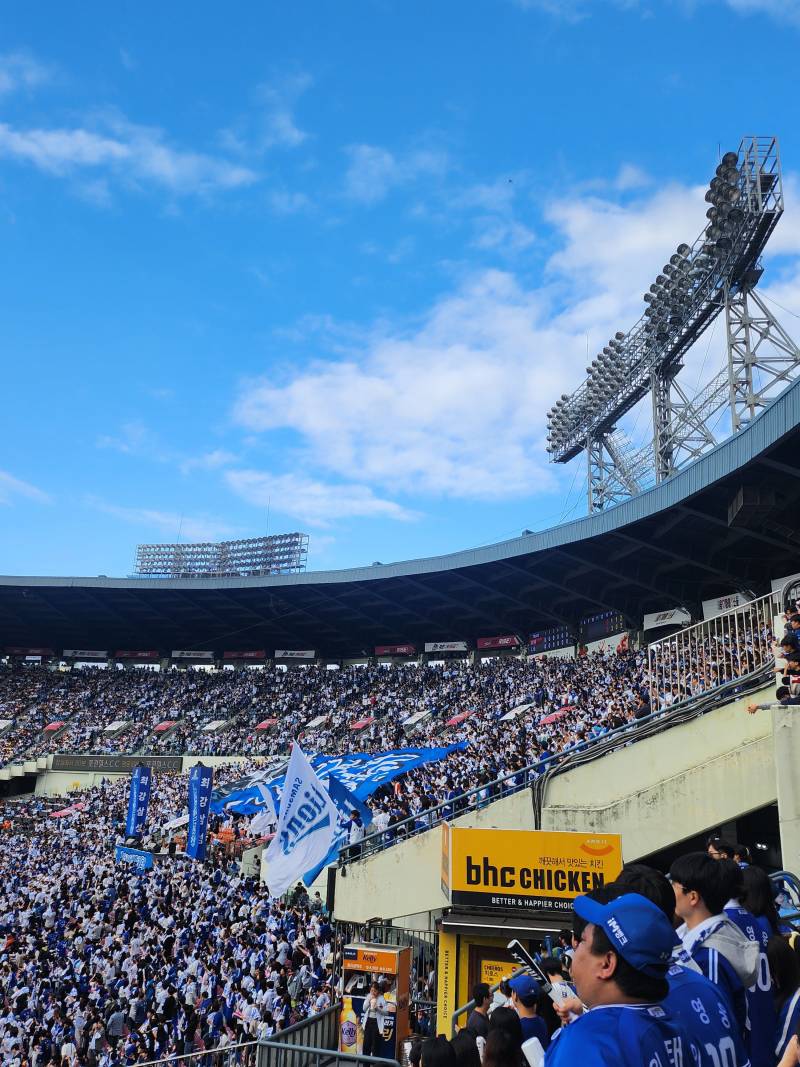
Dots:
(703, 1011)
(788, 1023)
(623, 1035)
(760, 1037)
(717, 968)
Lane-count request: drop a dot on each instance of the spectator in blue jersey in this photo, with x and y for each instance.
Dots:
(715, 943)
(759, 899)
(760, 1007)
(525, 995)
(784, 966)
(701, 1007)
(623, 950)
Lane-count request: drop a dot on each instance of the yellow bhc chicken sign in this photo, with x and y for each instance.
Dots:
(525, 869)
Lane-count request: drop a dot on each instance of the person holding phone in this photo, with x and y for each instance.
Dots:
(372, 1019)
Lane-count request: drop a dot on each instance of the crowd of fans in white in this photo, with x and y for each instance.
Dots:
(102, 965)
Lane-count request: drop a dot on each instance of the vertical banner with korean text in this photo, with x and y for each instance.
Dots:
(200, 786)
(138, 800)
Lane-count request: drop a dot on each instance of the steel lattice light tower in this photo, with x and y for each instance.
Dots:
(717, 274)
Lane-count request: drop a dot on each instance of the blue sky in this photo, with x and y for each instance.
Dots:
(334, 261)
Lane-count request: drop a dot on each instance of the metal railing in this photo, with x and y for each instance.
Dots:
(537, 775)
(244, 1054)
(317, 1034)
(708, 654)
(317, 1031)
(273, 1054)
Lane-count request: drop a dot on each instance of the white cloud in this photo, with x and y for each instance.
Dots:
(780, 10)
(284, 202)
(786, 238)
(569, 10)
(374, 171)
(278, 99)
(209, 461)
(504, 234)
(133, 439)
(454, 405)
(19, 70)
(272, 124)
(168, 524)
(314, 502)
(574, 10)
(134, 154)
(12, 488)
(495, 225)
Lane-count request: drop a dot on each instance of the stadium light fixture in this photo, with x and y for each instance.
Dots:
(717, 272)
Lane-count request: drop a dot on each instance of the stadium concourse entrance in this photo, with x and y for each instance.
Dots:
(473, 948)
(506, 885)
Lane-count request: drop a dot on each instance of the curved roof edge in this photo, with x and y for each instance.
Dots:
(774, 423)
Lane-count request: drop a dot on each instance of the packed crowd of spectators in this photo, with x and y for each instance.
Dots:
(683, 667)
(590, 695)
(103, 965)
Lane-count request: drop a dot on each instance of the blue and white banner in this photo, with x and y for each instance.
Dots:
(134, 856)
(138, 800)
(307, 826)
(267, 818)
(361, 773)
(346, 803)
(201, 783)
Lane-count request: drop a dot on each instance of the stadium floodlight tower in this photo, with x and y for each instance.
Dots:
(716, 274)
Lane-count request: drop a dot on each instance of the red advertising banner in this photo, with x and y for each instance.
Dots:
(395, 650)
(265, 724)
(127, 653)
(509, 641)
(52, 727)
(29, 651)
(167, 724)
(259, 654)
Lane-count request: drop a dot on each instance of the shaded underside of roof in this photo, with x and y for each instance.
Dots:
(729, 522)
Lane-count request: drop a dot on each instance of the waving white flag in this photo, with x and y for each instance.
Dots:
(261, 823)
(307, 826)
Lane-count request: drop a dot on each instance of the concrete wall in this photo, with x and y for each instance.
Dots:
(667, 788)
(57, 783)
(654, 793)
(405, 880)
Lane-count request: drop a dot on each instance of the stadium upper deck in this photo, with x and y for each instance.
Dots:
(727, 522)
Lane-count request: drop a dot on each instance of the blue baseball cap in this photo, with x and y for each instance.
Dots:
(525, 987)
(637, 929)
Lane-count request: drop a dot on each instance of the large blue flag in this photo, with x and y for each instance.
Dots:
(138, 800)
(360, 772)
(201, 781)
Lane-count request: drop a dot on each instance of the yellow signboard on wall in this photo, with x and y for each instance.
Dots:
(528, 868)
(493, 970)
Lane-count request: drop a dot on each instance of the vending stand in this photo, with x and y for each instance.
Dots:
(390, 967)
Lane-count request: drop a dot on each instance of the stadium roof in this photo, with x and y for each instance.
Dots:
(728, 522)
